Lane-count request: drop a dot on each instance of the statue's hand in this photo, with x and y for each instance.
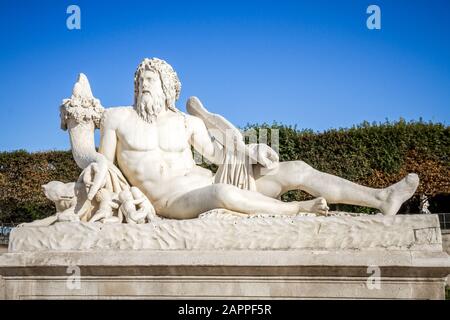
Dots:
(266, 156)
(94, 177)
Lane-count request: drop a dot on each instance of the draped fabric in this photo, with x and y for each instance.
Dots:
(236, 170)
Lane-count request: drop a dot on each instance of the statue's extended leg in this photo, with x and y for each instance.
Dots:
(294, 175)
(40, 223)
(195, 202)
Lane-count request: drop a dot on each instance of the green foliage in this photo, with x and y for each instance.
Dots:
(375, 155)
(21, 176)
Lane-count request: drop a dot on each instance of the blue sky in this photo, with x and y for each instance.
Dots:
(313, 64)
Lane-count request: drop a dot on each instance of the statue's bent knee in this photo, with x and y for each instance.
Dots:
(224, 195)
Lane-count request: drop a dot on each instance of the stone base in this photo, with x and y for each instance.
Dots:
(229, 274)
(223, 256)
(222, 231)
(446, 241)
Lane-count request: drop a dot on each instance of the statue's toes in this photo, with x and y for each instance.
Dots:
(322, 206)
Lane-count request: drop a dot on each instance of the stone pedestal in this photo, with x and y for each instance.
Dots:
(339, 257)
(223, 275)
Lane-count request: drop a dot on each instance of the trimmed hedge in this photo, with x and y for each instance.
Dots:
(375, 155)
(21, 177)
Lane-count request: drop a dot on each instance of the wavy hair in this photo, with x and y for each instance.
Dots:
(171, 85)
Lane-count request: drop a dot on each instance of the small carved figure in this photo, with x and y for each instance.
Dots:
(144, 204)
(107, 204)
(424, 204)
(130, 199)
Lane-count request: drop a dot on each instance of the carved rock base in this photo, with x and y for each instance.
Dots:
(221, 231)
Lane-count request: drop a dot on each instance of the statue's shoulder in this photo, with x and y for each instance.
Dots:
(113, 116)
(192, 120)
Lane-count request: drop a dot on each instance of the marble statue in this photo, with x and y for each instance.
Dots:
(145, 160)
(144, 220)
(424, 204)
(107, 205)
(61, 194)
(131, 198)
(64, 196)
(67, 198)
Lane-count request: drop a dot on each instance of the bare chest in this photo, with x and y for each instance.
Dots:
(167, 135)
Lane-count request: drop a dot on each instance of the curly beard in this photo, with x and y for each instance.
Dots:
(149, 105)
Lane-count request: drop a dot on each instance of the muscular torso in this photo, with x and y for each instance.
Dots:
(157, 157)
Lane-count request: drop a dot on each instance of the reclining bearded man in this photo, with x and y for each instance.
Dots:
(151, 144)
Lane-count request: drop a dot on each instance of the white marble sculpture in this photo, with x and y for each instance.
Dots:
(108, 204)
(424, 205)
(132, 198)
(145, 160)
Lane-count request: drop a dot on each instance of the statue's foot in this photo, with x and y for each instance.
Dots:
(395, 195)
(317, 205)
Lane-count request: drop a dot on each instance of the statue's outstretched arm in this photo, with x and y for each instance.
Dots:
(227, 136)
